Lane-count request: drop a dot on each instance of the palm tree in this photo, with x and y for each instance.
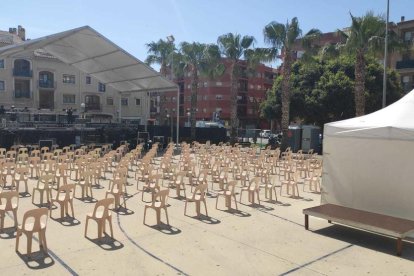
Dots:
(160, 53)
(198, 59)
(234, 47)
(365, 36)
(285, 37)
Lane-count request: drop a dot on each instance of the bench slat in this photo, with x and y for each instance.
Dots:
(383, 224)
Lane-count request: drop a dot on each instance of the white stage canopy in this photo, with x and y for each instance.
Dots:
(89, 51)
(368, 161)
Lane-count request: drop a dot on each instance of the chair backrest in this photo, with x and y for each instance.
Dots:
(2, 151)
(22, 157)
(35, 153)
(23, 151)
(161, 196)
(22, 171)
(103, 204)
(11, 154)
(47, 179)
(37, 219)
(44, 150)
(231, 187)
(254, 183)
(68, 189)
(200, 190)
(9, 199)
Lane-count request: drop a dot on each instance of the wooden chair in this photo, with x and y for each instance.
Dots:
(86, 183)
(198, 196)
(152, 186)
(291, 182)
(21, 175)
(158, 203)
(44, 185)
(64, 198)
(101, 214)
(9, 202)
(34, 166)
(228, 193)
(252, 189)
(116, 190)
(34, 221)
(177, 182)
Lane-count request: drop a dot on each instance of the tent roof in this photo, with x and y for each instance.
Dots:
(396, 121)
(94, 54)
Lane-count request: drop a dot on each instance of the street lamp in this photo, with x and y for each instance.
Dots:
(171, 40)
(188, 118)
(170, 121)
(83, 110)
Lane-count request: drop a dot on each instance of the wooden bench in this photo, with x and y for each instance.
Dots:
(390, 226)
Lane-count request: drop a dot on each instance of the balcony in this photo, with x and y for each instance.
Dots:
(93, 107)
(405, 64)
(48, 84)
(17, 72)
(22, 94)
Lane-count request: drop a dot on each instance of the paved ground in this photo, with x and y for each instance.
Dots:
(259, 240)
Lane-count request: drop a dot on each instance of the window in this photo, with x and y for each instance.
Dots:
(1, 63)
(205, 84)
(218, 109)
(259, 87)
(219, 97)
(68, 99)
(407, 36)
(69, 79)
(109, 101)
(173, 99)
(189, 86)
(299, 54)
(406, 79)
(101, 87)
(205, 110)
(219, 83)
(21, 88)
(205, 98)
(2, 86)
(124, 101)
(88, 80)
(137, 101)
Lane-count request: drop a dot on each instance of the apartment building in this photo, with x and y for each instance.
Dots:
(403, 61)
(213, 99)
(48, 87)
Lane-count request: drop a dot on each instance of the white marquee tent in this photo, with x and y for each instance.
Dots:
(369, 161)
(92, 53)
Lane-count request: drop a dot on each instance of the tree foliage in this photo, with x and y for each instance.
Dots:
(323, 91)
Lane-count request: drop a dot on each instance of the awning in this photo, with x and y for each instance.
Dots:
(92, 53)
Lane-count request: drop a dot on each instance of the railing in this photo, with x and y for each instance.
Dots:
(405, 64)
(22, 73)
(19, 94)
(47, 84)
(93, 107)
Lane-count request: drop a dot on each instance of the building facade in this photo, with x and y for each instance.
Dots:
(46, 87)
(213, 99)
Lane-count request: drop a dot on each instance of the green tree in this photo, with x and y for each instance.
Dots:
(197, 58)
(234, 47)
(365, 36)
(323, 91)
(161, 53)
(283, 37)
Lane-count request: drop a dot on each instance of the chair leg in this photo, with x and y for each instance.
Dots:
(110, 227)
(217, 200)
(185, 208)
(145, 213)
(166, 215)
(86, 226)
(235, 201)
(18, 234)
(205, 207)
(29, 243)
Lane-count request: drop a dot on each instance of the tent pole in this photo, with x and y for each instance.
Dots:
(178, 116)
(384, 80)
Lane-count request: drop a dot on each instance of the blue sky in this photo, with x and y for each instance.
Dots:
(132, 23)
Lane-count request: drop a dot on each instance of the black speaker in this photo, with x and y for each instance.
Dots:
(45, 143)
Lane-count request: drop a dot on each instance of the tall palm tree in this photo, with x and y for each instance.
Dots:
(234, 47)
(365, 36)
(285, 37)
(160, 53)
(198, 59)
